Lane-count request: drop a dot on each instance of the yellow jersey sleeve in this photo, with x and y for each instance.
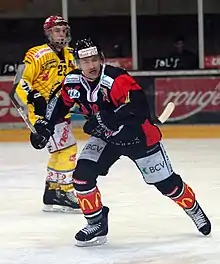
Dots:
(30, 72)
(71, 60)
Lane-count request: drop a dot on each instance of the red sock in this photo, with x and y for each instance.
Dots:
(90, 201)
(186, 199)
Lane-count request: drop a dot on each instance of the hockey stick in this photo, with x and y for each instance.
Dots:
(167, 112)
(21, 110)
(162, 118)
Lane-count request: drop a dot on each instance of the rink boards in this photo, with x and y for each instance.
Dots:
(168, 131)
(194, 93)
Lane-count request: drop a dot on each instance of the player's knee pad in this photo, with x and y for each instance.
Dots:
(85, 175)
(172, 186)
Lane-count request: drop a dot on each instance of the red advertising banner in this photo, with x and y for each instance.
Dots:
(125, 63)
(212, 62)
(8, 114)
(190, 95)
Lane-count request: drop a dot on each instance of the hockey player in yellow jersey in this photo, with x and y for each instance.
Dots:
(44, 69)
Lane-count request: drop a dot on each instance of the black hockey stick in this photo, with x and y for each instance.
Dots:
(167, 112)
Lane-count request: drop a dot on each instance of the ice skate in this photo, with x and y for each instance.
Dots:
(94, 234)
(59, 201)
(69, 202)
(200, 219)
(51, 199)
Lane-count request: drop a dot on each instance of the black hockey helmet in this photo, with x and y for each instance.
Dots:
(86, 48)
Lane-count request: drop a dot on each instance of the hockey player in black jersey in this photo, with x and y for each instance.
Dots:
(119, 122)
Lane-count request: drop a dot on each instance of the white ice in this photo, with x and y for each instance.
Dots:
(145, 227)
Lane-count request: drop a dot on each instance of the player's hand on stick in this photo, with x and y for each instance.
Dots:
(101, 124)
(44, 131)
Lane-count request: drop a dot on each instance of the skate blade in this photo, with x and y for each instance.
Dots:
(96, 241)
(51, 208)
(60, 209)
(69, 210)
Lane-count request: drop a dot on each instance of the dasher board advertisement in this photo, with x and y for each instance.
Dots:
(196, 99)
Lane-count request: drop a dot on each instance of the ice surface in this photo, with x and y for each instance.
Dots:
(145, 227)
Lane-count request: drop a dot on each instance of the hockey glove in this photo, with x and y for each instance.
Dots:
(44, 132)
(38, 101)
(103, 124)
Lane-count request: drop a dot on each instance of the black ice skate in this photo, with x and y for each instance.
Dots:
(59, 201)
(51, 196)
(69, 201)
(200, 219)
(51, 200)
(94, 234)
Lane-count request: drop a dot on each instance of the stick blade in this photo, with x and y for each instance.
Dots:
(167, 112)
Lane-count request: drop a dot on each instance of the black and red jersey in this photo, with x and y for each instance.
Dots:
(115, 90)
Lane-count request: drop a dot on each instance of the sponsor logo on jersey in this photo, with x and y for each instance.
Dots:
(72, 78)
(73, 93)
(107, 81)
(49, 64)
(42, 52)
(64, 136)
(50, 107)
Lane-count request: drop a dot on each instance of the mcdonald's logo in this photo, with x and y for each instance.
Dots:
(98, 199)
(85, 203)
(184, 202)
(92, 203)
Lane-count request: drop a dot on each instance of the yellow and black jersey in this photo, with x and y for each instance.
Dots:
(44, 71)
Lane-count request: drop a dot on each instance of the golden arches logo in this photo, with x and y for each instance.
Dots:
(98, 199)
(85, 203)
(91, 204)
(184, 201)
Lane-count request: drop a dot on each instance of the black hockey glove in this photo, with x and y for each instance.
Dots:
(44, 132)
(38, 101)
(103, 124)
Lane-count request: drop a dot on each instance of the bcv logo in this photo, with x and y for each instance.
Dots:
(152, 169)
(73, 93)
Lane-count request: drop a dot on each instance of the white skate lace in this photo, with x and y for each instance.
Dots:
(89, 229)
(198, 218)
